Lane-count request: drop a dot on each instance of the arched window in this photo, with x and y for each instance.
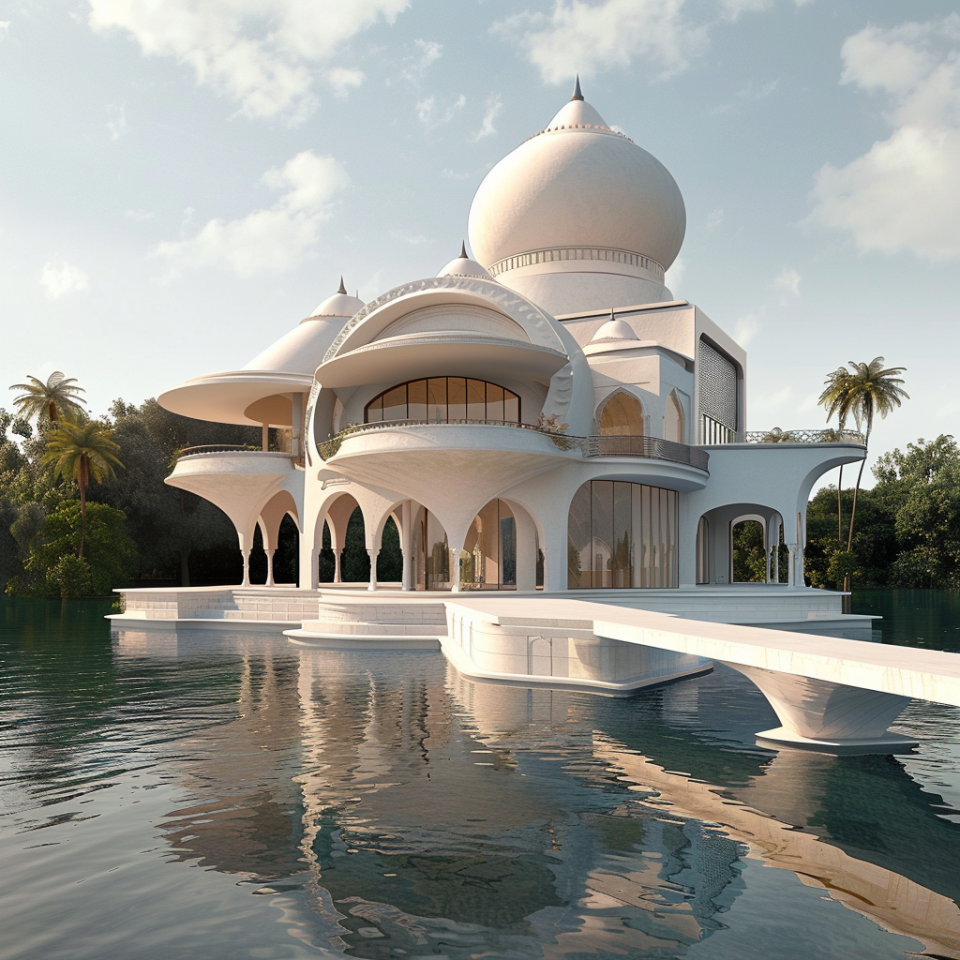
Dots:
(445, 399)
(622, 416)
(673, 420)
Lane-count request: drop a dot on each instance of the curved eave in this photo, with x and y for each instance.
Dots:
(225, 397)
(400, 359)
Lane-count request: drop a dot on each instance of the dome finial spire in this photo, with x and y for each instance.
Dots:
(463, 250)
(577, 95)
(342, 289)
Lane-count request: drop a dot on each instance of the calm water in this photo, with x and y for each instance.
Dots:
(216, 795)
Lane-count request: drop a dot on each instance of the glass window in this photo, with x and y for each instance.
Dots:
(456, 398)
(623, 535)
(395, 403)
(494, 402)
(476, 400)
(417, 400)
(437, 399)
(444, 398)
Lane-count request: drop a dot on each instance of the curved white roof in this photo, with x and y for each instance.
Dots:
(614, 329)
(341, 304)
(578, 183)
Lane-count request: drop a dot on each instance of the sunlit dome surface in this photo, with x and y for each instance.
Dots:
(463, 266)
(578, 183)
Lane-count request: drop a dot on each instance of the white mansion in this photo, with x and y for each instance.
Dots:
(542, 415)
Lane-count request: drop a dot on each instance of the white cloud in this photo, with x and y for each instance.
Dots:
(4, 28)
(429, 52)
(273, 240)
(60, 279)
(494, 109)
(734, 9)
(715, 218)
(140, 216)
(261, 54)
(788, 281)
(344, 79)
(117, 124)
(431, 115)
(591, 37)
(414, 239)
(903, 194)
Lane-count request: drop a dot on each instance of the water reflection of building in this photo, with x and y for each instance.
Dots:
(411, 807)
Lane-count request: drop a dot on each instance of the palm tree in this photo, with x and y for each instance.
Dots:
(834, 399)
(57, 399)
(869, 389)
(82, 452)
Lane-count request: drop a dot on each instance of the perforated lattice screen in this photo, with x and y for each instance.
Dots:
(718, 386)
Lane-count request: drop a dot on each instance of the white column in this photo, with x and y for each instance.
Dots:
(455, 571)
(406, 544)
(336, 566)
(265, 436)
(792, 568)
(373, 568)
(296, 435)
(246, 568)
(270, 581)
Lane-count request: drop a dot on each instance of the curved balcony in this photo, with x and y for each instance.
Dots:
(776, 435)
(598, 446)
(230, 449)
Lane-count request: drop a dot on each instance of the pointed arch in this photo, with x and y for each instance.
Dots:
(621, 415)
(673, 419)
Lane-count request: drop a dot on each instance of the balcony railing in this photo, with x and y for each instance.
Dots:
(647, 447)
(776, 435)
(231, 448)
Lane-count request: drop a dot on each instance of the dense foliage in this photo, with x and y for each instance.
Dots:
(908, 525)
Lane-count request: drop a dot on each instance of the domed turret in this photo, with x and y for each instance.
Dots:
(341, 304)
(463, 266)
(579, 216)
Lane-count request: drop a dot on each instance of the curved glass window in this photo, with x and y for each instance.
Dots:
(622, 535)
(443, 399)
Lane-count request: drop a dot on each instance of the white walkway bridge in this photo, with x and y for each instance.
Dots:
(828, 693)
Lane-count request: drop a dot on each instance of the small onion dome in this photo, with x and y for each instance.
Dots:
(341, 304)
(614, 329)
(463, 266)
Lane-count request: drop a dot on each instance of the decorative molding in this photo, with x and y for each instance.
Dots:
(565, 254)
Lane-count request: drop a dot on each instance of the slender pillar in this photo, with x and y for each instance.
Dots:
(270, 581)
(406, 544)
(455, 570)
(336, 566)
(246, 568)
(265, 436)
(792, 574)
(373, 568)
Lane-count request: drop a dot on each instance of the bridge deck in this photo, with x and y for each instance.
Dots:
(904, 671)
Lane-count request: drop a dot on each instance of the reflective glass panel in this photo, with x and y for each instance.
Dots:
(375, 410)
(579, 539)
(476, 400)
(494, 402)
(511, 407)
(395, 403)
(437, 399)
(456, 398)
(417, 400)
(622, 563)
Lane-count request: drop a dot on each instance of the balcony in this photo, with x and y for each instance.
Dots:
(588, 447)
(776, 435)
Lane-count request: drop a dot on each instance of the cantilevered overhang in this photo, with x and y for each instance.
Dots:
(228, 397)
(405, 358)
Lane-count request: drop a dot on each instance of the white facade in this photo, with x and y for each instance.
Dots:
(545, 415)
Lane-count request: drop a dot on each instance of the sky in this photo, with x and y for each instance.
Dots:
(182, 181)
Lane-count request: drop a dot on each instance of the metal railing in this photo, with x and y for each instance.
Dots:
(776, 435)
(638, 446)
(233, 448)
